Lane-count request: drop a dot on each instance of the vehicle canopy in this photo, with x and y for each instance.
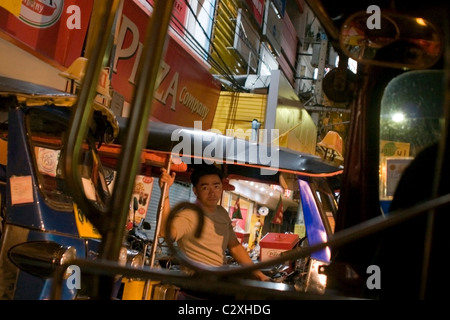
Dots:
(195, 146)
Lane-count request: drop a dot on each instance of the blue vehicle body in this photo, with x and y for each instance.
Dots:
(38, 227)
(314, 222)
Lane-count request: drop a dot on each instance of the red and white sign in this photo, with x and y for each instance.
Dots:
(54, 28)
(186, 92)
(41, 14)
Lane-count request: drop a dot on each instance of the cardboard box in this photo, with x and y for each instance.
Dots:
(273, 244)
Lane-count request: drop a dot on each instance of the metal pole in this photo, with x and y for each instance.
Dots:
(102, 19)
(137, 125)
(164, 192)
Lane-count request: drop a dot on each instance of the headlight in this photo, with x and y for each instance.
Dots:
(41, 258)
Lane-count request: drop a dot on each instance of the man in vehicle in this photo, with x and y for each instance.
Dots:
(217, 235)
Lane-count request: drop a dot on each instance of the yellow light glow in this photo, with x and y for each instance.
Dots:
(421, 22)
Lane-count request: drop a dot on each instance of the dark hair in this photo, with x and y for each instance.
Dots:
(203, 170)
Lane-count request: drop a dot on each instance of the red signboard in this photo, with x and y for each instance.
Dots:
(56, 29)
(187, 92)
(178, 14)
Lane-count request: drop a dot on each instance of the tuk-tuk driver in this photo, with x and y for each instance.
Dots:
(218, 234)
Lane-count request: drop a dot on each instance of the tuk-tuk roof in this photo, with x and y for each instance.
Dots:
(32, 94)
(245, 158)
(35, 94)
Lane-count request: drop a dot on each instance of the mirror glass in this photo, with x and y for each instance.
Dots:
(391, 40)
(411, 119)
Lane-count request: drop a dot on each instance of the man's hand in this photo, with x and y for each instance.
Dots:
(261, 276)
(165, 177)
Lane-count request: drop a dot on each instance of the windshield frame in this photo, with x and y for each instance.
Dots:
(46, 146)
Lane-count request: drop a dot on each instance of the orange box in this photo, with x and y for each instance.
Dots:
(273, 244)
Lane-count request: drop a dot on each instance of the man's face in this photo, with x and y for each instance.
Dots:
(209, 190)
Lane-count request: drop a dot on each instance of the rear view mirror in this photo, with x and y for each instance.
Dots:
(396, 41)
